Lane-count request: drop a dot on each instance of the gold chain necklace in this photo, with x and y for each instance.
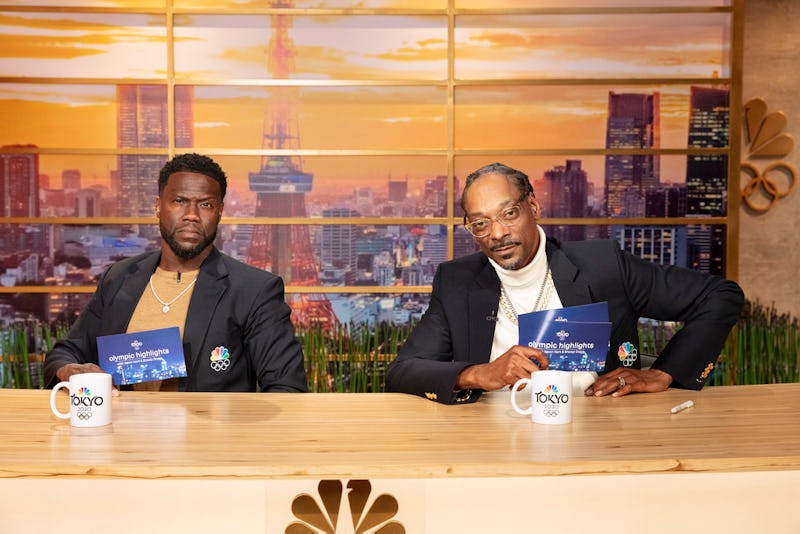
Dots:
(508, 307)
(166, 305)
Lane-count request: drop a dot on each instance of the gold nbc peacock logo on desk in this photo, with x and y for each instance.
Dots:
(314, 520)
(766, 139)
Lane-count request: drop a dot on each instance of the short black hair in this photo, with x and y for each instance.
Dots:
(518, 178)
(192, 162)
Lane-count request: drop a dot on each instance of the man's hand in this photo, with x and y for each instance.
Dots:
(622, 381)
(66, 371)
(517, 362)
(70, 369)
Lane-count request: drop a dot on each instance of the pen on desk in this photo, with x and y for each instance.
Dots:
(682, 406)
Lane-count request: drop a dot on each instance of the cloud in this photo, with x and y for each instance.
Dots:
(420, 53)
(26, 46)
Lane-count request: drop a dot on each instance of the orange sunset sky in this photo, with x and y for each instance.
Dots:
(228, 53)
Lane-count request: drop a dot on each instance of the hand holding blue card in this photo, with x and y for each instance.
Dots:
(142, 356)
(575, 338)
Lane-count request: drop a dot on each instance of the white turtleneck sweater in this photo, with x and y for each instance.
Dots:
(522, 287)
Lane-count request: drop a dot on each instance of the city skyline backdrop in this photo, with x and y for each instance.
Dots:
(231, 48)
(377, 87)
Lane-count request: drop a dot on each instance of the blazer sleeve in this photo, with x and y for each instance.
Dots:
(270, 338)
(707, 305)
(425, 363)
(80, 345)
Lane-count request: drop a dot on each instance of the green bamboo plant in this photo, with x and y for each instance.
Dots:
(764, 347)
(23, 347)
(350, 358)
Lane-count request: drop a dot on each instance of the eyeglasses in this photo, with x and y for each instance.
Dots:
(507, 217)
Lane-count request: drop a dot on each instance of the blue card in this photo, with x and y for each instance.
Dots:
(586, 313)
(575, 338)
(142, 356)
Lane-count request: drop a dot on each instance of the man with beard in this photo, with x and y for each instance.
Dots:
(467, 341)
(218, 303)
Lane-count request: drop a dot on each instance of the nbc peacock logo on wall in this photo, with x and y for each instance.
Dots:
(348, 506)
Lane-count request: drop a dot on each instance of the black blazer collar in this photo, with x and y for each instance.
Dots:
(482, 301)
(566, 276)
(212, 283)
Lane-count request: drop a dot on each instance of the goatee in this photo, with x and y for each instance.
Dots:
(186, 253)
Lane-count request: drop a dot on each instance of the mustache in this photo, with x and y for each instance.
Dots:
(503, 244)
(193, 227)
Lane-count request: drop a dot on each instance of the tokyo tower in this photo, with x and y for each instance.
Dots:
(281, 185)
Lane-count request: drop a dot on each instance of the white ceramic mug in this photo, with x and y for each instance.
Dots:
(89, 399)
(551, 397)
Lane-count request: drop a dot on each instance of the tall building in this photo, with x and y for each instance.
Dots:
(707, 246)
(19, 189)
(634, 123)
(71, 180)
(659, 244)
(435, 199)
(707, 175)
(564, 194)
(364, 200)
(281, 186)
(337, 241)
(398, 190)
(88, 203)
(433, 249)
(143, 122)
(666, 201)
(19, 183)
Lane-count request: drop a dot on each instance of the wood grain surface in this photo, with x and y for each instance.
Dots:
(295, 436)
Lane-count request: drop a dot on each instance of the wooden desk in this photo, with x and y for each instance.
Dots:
(204, 461)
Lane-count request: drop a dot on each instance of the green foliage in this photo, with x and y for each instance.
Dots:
(763, 348)
(350, 358)
(22, 350)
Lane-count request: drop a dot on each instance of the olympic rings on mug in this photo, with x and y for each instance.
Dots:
(761, 181)
(551, 412)
(84, 415)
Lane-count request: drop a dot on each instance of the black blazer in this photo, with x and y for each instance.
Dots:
(458, 328)
(233, 305)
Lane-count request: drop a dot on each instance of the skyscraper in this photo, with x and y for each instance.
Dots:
(659, 244)
(666, 201)
(337, 241)
(19, 189)
(143, 122)
(633, 122)
(435, 199)
(398, 190)
(707, 175)
(19, 183)
(564, 194)
(71, 180)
